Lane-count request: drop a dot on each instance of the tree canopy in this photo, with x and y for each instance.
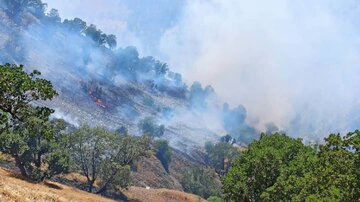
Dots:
(106, 156)
(26, 133)
(279, 168)
(257, 168)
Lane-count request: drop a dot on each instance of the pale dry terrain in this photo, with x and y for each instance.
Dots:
(15, 189)
(160, 195)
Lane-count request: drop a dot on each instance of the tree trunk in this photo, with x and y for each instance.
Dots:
(103, 189)
(91, 185)
(21, 166)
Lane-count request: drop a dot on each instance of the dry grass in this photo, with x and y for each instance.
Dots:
(159, 195)
(5, 157)
(15, 189)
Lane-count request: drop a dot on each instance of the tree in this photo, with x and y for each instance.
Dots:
(75, 25)
(161, 68)
(200, 181)
(95, 34)
(198, 96)
(327, 173)
(15, 7)
(106, 156)
(258, 168)
(111, 41)
(278, 168)
(54, 16)
(149, 127)
(220, 156)
(26, 133)
(163, 153)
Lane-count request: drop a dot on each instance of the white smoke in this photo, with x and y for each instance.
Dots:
(292, 62)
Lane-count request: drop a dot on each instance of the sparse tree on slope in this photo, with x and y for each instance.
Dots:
(105, 156)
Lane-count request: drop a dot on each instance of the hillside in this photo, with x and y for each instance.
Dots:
(15, 189)
(102, 83)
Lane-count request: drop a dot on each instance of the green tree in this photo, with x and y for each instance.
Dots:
(163, 153)
(105, 156)
(258, 168)
(327, 173)
(149, 127)
(214, 199)
(200, 181)
(26, 133)
(220, 156)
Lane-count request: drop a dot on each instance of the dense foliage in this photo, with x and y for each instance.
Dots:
(220, 156)
(200, 181)
(279, 168)
(26, 133)
(328, 173)
(106, 156)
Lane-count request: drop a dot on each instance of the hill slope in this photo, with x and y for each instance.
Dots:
(13, 188)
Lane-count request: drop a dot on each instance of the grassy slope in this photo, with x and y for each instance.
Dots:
(14, 188)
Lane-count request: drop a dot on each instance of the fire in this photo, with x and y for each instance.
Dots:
(97, 101)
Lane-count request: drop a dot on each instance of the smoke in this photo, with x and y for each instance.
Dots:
(293, 63)
(135, 22)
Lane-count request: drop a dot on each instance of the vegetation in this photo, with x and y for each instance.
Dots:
(163, 153)
(279, 168)
(15, 7)
(234, 123)
(220, 156)
(105, 156)
(149, 127)
(328, 173)
(26, 133)
(200, 181)
(198, 96)
(214, 199)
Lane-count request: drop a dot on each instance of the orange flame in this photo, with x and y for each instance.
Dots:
(97, 101)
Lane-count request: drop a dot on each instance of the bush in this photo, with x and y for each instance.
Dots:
(163, 153)
(214, 199)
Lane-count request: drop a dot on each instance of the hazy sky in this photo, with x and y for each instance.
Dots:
(292, 62)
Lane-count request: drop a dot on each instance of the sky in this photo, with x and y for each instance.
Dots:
(292, 62)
